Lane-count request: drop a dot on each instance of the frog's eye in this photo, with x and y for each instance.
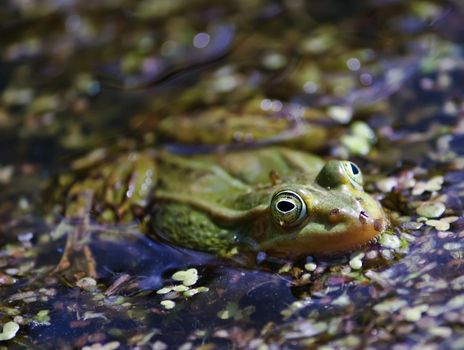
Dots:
(340, 172)
(354, 173)
(288, 208)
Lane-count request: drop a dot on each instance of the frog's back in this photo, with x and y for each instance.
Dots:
(259, 167)
(235, 170)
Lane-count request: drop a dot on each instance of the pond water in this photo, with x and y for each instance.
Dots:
(377, 82)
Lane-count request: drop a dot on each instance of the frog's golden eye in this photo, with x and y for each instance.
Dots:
(288, 208)
(354, 173)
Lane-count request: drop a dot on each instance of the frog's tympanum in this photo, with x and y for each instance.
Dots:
(277, 200)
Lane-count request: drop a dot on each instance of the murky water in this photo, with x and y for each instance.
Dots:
(378, 82)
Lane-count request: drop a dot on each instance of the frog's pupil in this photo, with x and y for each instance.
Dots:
(285, 206)
(354, 169)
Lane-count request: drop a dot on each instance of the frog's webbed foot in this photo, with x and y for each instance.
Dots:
(65, 260)
(72, 256)
(91, 264)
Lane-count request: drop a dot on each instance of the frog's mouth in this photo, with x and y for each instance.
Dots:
(325, 240)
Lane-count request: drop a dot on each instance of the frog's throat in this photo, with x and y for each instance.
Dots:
(216, 212)
(324, 243)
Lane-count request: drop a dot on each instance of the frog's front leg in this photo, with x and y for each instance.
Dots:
(72, 242)
(113, 193)
(79, 203)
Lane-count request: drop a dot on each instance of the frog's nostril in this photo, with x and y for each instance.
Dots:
(363, 217)
(285, 206)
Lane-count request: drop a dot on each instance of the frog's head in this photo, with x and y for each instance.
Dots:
(331, 214)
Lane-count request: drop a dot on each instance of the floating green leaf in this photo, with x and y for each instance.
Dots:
(431, 209)
(188, 277)
(9, 331)
(232, 311)
(168, 304)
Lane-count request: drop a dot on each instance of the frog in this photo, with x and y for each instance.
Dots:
(277, 200)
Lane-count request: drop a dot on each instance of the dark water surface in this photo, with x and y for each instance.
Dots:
(378, 82)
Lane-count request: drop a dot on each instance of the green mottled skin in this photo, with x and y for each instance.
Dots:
(218, 126)
(219, 202)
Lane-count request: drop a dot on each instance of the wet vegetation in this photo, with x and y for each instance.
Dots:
(83, 84)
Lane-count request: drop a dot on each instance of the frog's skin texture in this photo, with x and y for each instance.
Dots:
(275, 199)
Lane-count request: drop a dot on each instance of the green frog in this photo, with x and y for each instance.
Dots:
(275, 199)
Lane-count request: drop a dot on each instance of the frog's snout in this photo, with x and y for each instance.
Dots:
(380, 224)
(337, 216)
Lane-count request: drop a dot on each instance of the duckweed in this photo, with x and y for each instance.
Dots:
(168, 304)
(431, 209)
(188, 277)
(9, 331)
